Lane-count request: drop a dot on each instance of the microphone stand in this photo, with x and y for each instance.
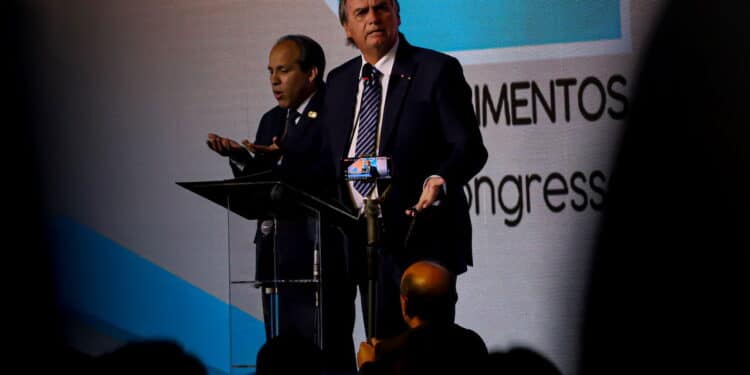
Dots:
(372, 211)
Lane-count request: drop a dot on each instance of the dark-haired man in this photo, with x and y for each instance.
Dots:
(288, 141)
(288, 138)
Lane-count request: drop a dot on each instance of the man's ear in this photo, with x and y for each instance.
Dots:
(313, 74)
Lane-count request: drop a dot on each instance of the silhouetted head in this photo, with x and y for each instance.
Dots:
(150, 357)
(520, 360)
(428, 294)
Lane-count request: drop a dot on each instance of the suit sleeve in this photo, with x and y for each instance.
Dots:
(240, 165)
(466, 152)
(259, 162)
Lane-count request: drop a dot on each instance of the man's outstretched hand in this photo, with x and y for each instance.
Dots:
(270, 149)
(224, 146)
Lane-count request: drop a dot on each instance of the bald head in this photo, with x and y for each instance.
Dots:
(426, 278)
(429, 292)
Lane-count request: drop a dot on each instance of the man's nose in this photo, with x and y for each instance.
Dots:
(371, 16)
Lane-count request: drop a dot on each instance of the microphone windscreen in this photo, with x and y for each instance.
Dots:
(266, 227)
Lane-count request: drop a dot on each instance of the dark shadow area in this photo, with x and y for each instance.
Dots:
(148, 357)
(32, 329)
(289, 354)
(669, 275)
(520, 360)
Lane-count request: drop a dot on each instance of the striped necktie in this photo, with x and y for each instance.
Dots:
(369, 112)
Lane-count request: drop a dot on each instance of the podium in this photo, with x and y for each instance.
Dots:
(272, 200)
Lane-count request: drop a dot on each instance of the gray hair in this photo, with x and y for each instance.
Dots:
(342, 10)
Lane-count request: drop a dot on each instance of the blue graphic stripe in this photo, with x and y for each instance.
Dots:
(128, 297)
(457, 25)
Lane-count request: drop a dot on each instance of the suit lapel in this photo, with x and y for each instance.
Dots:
(303, 124)
(311, 112)
(348, 99)
(398, 86)
(276, 127)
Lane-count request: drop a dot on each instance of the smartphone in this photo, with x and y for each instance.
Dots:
(367, 168)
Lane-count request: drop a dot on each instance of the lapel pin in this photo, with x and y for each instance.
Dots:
(405, 76)
(312, 114)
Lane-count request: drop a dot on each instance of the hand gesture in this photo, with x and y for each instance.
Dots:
(270, 149)
(224, 146)
(430, 193)
(366, 352)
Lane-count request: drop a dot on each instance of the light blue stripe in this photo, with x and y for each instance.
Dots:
(369, 102)
(457, 25)
(367, 125)
(106, 282)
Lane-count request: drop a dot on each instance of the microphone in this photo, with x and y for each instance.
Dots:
(277, 193)
(316, 264)
(366, 72)
(316, 274)
(412, 223)
(266, 227)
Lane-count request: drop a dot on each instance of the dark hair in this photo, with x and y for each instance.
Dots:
(427, 304)
(342, 10)
(310, 54)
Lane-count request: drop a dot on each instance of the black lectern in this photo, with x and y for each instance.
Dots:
(269, 198)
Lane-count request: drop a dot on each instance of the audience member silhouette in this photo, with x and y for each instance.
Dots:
(149, 357)
(518, 361)
(670, 268)
(434, 344)
(289, 354)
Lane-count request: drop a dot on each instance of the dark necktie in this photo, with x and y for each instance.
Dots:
(290, 117)
(369, 112)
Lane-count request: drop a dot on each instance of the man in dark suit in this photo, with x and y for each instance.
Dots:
(434, 344)
(289, 142)
(288, 139)
(414, 106)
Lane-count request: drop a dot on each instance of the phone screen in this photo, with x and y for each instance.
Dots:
(377, 167)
